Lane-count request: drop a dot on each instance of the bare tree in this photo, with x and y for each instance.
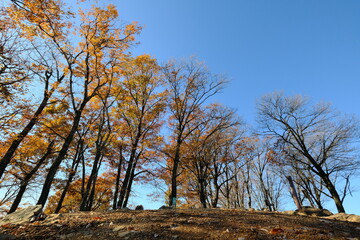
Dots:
(315, 132)
(202, 142)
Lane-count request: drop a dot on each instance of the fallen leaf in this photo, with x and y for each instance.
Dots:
(276, 231)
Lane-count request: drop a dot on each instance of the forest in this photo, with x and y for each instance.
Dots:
(83, 120)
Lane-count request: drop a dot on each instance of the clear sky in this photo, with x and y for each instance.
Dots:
(299, 47)
(307, 47)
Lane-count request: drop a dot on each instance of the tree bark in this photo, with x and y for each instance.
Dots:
(116, 192)
(173, 192)
(294, 194)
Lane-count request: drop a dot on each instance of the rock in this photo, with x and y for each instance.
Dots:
(165, 207)
(22, 215)
(289, 212)
(353, 218)
(53, 218)
(139, 207)
(310, 211)
(123, 234)
(345, 217)
(119, 228)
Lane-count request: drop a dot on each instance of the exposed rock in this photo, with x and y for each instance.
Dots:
(119, 228)
(310, 211)
(165, 207)
(289, 212)
(139, 207)
(345, 217)
(22, 215)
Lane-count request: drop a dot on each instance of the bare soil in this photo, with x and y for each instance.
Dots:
(182, 224)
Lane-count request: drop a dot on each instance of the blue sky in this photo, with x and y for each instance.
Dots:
(306, 47)
(299, 47)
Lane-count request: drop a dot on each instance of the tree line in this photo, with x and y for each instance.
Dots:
(83, 119)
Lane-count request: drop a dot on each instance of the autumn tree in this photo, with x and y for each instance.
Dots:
(102, 134)
(190, 84)
(140, 107)
(90, 67)
(13, 74)
(199, 146)
(322, 138)
(43, 30)
(72, 201)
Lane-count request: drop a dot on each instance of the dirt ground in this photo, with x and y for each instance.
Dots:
(182, 224)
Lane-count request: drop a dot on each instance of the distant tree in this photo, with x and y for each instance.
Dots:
(267, 182)
(318, 134)
(190, 85)
(72, 201)
(215, 120)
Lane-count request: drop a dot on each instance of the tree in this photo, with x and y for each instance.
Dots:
(317, 133)
(267, 182)
(190, 85)
(90, 68)
(140, 107)
(46, 24)
(214, 121)
(72, 200)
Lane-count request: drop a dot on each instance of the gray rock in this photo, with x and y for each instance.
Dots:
(310, 211)
(139, 207)
(165, 207)
(22, 215)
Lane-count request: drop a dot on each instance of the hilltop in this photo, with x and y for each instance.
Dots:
(182, 224)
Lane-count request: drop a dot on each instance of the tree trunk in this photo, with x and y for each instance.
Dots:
(294, 194)
(131, 180)
(125, 184)
(328, 184)
(173, 192)
(62, 154)
(215, 200)
(25, 181)
(116, 192)
(88, 195)
(76, 162)
(202, 192)
(334, 194)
